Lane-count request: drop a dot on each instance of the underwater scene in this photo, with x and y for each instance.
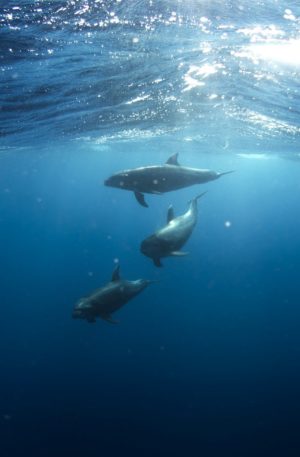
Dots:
(150, 228)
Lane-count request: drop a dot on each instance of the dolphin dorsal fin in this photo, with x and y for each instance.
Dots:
(116, 274)
(173, 160)
(170, 214)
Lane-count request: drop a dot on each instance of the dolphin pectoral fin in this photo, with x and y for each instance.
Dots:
(140, 198)
(170, 214)
(178, 253)
(157, 262)
(173, 160)
(108, 318)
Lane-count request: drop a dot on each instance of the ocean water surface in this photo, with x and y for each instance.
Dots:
(206, 361)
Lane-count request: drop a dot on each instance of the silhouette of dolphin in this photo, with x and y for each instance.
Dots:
(168, 240)
(108, 299)
(158, 179)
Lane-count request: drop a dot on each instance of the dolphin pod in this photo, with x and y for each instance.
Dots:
(167, 241)
(158, 179)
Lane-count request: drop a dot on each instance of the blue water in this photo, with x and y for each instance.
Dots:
(206, 360)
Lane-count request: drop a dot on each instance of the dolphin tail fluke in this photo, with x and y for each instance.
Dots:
(200, 195)
(226, 173)
(140, 198)
(193, 202)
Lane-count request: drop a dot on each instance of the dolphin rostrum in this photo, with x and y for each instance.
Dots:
(158, 179)
(168, 240)
(109, 298)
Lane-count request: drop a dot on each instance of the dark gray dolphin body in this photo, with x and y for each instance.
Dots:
(168, 240)
(158, 179)
(108, 299)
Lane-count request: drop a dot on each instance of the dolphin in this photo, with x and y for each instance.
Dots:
(109, 298)
(168, 240)
(158, 179)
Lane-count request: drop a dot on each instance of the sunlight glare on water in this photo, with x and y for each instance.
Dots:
(273, 51)
(271, 43)
(280, 52)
